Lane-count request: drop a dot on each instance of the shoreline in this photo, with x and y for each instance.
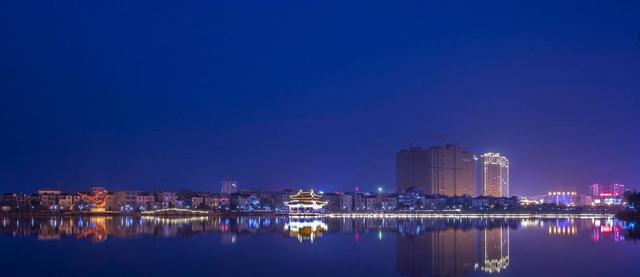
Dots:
(373, 215)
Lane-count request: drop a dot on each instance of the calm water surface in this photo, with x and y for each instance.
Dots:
(268, 246)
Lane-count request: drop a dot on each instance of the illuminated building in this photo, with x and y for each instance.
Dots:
(494, 175)
(595, 190)
(145, 201)
(346, 202)
(447, 170)
(125, 200)
(305, 203)
(229, 187)
(65, 201)
(216, 201)
(567, 198)
(617, 189)
(166, 199)
(613, 196)
(14, 202)
(48, 198)
(333, 201)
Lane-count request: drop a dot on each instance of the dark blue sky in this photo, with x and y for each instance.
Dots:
(166, 94)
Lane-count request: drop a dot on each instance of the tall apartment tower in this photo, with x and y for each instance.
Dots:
(411, 169)
(447, 170)
(452, 171)
(494, 175)
(229, 187)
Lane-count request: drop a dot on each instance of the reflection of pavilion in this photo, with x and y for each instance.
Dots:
(305, 230)
(496, 249)
(449, 252)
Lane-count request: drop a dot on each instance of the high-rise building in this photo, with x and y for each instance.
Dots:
(447, 170)
(617, 189)
(595, 190)
(229, 187)
(494, 175)
(412, 169)
(452, 171)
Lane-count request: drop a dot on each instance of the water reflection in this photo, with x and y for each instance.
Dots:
(424, 246)
(305, 229)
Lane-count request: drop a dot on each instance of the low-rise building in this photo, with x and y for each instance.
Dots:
(217, 201)
(167, 199)
(197, 202)
(65, 201)
(49, 198)
(144, 201)
(333, 201)
(346, 202)
(11, 202)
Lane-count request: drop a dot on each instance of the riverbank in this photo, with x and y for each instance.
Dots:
(420, 214)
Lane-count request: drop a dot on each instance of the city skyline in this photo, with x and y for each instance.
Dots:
(446, 153)
(319, 138)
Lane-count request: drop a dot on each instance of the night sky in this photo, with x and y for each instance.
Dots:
(154, 95)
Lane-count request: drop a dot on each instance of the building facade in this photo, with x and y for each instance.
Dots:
(447, 170)
(494, 175)
(229, 187)
(412, 169)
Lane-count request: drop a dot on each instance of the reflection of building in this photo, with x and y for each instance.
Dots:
(305, 230)
(447, 170)
(449, 252)
(305, 202)
(495, 249)
(494, 175)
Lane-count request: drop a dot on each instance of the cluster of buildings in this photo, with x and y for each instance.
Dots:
(412, 200)
(612, 195)
(130, 201)
(247, 201)
(452, 171)
(439, 178)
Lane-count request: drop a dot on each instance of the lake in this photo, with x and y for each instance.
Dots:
(281, 246)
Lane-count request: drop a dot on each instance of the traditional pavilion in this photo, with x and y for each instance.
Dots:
(305, 203)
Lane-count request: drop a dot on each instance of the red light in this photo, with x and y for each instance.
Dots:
(606, 229)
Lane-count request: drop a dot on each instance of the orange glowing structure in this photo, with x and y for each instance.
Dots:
(98, 199)
(98, 232)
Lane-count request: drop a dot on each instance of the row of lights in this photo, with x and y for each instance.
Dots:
(562, 193)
